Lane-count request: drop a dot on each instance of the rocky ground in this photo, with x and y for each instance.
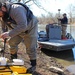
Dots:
(46, 65)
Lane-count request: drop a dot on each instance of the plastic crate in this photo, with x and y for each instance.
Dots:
(54, 32)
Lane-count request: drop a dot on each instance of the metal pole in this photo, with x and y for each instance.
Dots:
(59, 12)
(59, 16)
(4, 46)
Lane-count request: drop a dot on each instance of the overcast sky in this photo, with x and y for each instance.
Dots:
(53, 6)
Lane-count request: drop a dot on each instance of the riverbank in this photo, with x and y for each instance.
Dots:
(44, 61)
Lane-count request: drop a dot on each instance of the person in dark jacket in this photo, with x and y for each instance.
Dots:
(21, 26)
(64, 22)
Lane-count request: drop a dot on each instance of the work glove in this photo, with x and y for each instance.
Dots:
(5, 35)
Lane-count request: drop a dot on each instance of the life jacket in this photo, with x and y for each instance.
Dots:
(6, 18)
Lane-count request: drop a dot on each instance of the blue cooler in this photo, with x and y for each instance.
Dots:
(54, 32)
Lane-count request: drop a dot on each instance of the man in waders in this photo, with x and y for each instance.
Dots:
(23, 26)
(64, 22)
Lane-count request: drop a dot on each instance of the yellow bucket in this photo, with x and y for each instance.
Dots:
(17, 70)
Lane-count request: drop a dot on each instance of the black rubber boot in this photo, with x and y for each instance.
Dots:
(33, 66)
(13, 56)
(33, 62)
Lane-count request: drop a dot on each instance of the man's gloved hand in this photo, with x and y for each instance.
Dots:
(5, 35)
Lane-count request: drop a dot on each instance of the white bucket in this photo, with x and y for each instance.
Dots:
(18, 62)
(3, 61)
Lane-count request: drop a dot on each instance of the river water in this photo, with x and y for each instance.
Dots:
(66, 57)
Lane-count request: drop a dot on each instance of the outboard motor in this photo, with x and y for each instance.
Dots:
(42, 36)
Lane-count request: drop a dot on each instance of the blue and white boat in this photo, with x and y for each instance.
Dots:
(54, 42)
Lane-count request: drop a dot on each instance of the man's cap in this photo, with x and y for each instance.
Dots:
(64, 14)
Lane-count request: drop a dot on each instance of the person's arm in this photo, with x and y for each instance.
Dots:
(19, 16)
(60, 19)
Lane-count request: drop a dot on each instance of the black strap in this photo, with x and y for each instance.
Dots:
(29, 12)
(10, 26)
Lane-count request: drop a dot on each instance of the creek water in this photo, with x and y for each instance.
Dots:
(66, 57)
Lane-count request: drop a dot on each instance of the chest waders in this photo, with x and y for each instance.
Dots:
(8, 20)
(29, 18)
